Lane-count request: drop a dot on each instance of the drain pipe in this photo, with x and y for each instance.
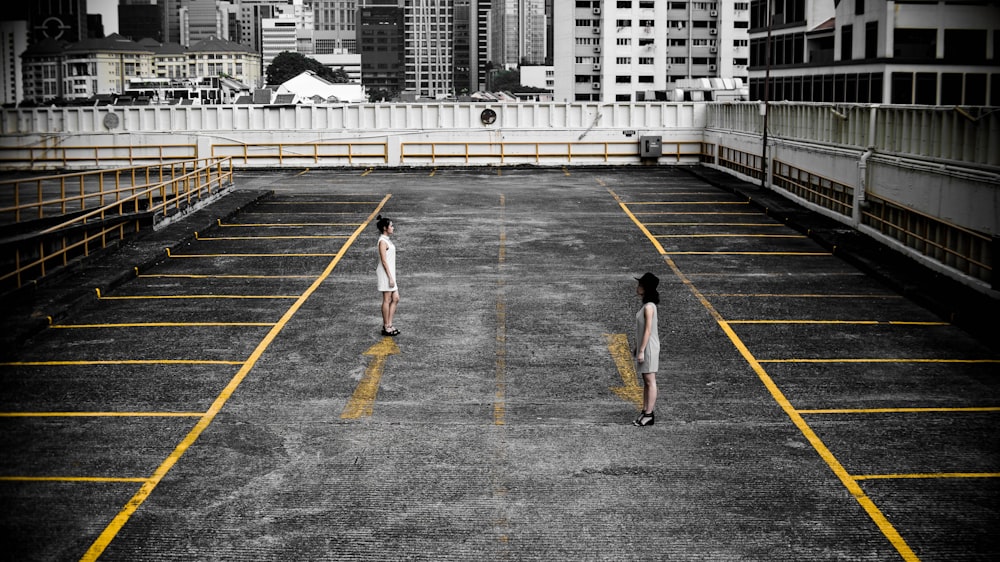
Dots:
(861, 191)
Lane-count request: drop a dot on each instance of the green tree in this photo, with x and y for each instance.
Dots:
(288, 65)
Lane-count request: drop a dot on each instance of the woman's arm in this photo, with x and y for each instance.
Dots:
(640, 351)
(382, 247)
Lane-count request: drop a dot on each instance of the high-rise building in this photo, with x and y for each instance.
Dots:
(63, 20)
(140, 19)
(380, 40)
(202, 19)
(13, 42)
(428, 47)
(930, 53)
(336, 25)
(520, 32)
(637, 50)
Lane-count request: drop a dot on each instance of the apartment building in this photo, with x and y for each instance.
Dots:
(930, 52)
(85, 69)
(13, 42)
(636, 50)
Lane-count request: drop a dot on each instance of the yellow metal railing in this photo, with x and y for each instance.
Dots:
(56, 195)
(95, 155)
(535, 151)
(816, 189)
(31, 257)
(965, 250)
(743, 162)
(333, 153)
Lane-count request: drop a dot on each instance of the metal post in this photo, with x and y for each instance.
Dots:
(767, 86)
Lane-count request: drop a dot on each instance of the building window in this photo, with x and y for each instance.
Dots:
(846, 42)
(871, 40)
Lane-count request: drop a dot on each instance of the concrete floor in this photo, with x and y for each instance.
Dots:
(234, 400)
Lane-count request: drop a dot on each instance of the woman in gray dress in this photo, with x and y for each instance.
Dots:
(647, 350)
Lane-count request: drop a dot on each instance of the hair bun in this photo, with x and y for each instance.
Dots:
(378, 218)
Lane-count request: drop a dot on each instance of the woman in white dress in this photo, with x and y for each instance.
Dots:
(647, 350)
(385, 272)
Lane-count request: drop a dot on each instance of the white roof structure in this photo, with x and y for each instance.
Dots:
(308, 87)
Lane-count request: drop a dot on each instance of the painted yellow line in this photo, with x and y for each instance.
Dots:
(368, 171)
(859, 322)
(71, 479)
(688, 203)
(212, 256)
(881, 360)
(730, 236)
(630, 391)
(311, 237)
(201, 276)
(362, 402)
(164, 325)
(750, 253)
(282, 224)
(116, 524)
(730, 213)
(767, 224)
(899, 410)
(566, 171)
(302, 173)
(838, 469)
(928, 475)
(101, 414)
(184, 297)
(69, 363)
(803, 296)
(319, 203)
(500, 394)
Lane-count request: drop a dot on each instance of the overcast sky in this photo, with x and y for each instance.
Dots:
(109, 13)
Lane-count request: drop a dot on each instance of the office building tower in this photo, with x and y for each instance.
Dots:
(202, 19)
(140, 19)
(519, 32)
(336, 24)
(13, 42)
(428, 42)
(380, 40)
(63, 20)
(928, 53)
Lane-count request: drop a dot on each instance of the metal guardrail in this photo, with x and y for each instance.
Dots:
(964, 250)
(318, 153)
(538, 151)
(94, 155)
(30, 257)
(40, 197)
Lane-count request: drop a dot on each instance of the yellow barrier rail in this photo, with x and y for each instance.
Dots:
(56, 195)
(29, 258)
(95, 155)
(523, 151)
(966, 250)
(814, 188)
(313, 152)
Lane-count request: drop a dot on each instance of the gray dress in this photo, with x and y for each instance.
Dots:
(652, 351)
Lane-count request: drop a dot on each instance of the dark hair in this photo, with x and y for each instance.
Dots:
(650, 295)
(382, 223)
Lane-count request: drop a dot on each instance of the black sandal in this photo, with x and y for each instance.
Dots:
(391, 332)
(644, 419)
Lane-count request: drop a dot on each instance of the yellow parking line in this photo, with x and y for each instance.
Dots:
(731, 236)
(288, 255)
(689, 203)
(928, 475)
(119, 362)
(319, 203)
(888, 530)
(101, 414)
(880, 360)
(803, 295)
(281, 224)
(856, 322)
(183, 297)
(731, 213)
(203, 276)
(311, 237)
(70, 479)
(109, 533)
(767, 224)
(899, 410)
(164, 325)
(806, 254)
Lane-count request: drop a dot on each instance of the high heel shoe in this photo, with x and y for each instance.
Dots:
(644, 420)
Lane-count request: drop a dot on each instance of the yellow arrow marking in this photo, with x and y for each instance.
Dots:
(631, 391)
(362, 403)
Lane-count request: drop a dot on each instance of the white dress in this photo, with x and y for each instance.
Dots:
(652, 351)
(390, 258)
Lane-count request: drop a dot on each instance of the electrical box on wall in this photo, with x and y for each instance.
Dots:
(650, 147)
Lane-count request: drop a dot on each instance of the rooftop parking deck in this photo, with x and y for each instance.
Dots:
(231, 398)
